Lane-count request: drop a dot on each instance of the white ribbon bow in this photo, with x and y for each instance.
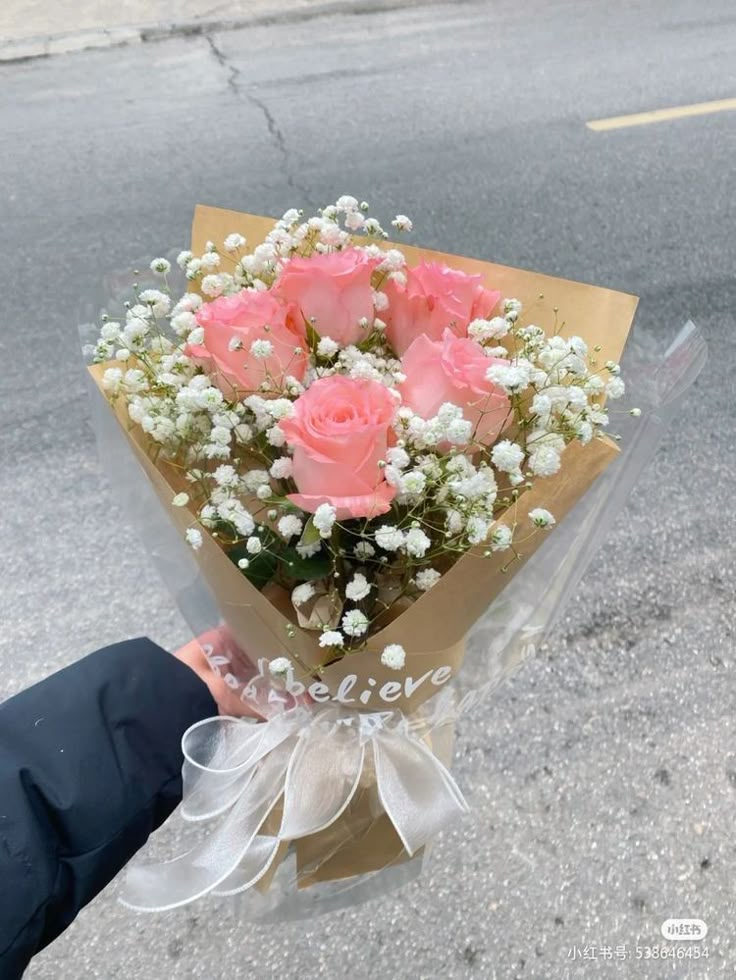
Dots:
(313, 758)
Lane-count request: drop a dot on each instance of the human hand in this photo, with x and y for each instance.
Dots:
(205, 654)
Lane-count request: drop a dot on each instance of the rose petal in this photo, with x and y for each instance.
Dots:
(369, 505)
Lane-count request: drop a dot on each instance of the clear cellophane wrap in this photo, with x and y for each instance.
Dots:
(335, 795)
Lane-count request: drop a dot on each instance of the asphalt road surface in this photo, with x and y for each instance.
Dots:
(604, 773)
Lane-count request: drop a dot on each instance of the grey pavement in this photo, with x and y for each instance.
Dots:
(603, 775)
(21, 19)
(32, 29)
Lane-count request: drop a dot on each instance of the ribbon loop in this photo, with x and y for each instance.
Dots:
(210, 864)
(221, 755)
(321, 780)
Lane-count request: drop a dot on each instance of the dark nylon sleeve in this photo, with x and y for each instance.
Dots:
(90, 765)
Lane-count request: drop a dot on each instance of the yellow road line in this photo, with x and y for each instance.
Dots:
(661, 115)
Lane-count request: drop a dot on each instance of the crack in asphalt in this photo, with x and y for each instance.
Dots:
(274, 130)
(232, 72)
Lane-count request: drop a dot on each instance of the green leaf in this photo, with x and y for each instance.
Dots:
(305, 569)
(310, 534)
(225, 532)
(261, 567)
(313, 337)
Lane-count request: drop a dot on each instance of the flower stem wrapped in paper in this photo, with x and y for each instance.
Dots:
(382, 459)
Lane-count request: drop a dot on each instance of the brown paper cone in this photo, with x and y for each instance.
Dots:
(432, 630)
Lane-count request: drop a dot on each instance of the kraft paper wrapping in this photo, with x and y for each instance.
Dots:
(432, 630)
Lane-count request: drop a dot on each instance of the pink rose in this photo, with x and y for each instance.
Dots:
(335, 289)
(435, 297)
(241, 319)
(339, 431)
(454, 370)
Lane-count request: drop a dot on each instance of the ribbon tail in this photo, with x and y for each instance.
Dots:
(321, 780)
(160, 887)
(252, 868)
(417, 792)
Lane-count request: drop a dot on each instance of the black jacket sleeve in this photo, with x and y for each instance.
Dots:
(90, 765)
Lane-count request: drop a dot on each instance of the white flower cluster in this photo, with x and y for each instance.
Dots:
(377, 364)
(448, 426)
(330, 230)
(562, 384)
(225, 505)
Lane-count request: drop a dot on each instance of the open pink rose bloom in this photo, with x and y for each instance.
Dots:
(339, 434)
(232, 324)
(333, 292)
(435, 298)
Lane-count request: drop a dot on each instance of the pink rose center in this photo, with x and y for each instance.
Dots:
(344, 414)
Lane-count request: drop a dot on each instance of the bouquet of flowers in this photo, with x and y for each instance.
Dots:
(363, 445)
